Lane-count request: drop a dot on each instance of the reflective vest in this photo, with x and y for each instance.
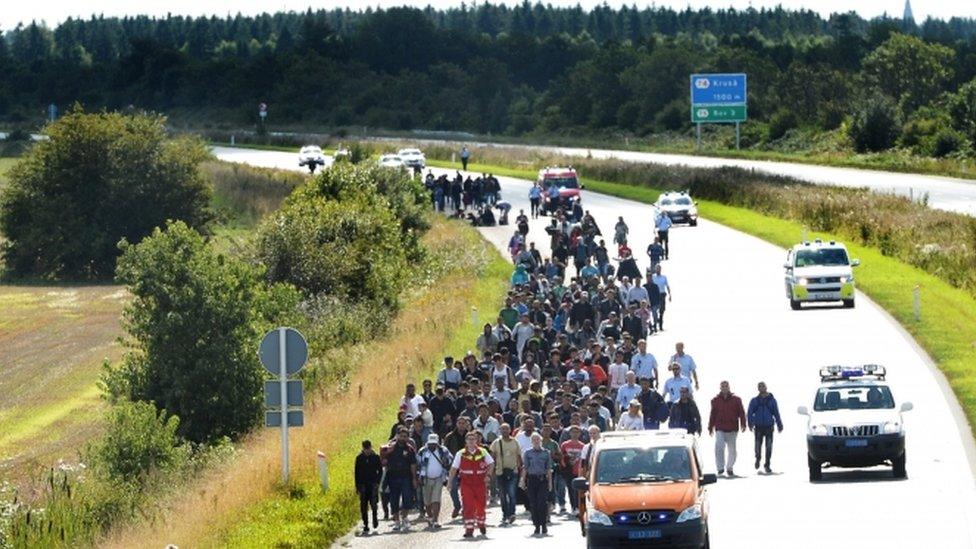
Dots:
(473, 464)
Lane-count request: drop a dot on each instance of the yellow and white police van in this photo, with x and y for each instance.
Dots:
(819, 272)
(855, 421)
(679, 207)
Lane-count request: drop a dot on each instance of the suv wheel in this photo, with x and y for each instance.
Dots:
(815, 471)
(898, 466)
(848, 303)
(795, 305)
(693, 222)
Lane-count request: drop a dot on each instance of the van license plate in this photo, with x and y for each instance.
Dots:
(856, 443)
(643, 534)
(824, 297)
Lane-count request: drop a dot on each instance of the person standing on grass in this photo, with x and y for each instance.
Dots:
(401, 477)
(725, 421)
(433, 463)
(537, 482)
(472, 465)
(763, 415)
(368, 472)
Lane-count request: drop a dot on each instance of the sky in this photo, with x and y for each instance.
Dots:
(55, 11)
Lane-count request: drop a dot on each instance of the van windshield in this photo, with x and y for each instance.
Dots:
(567, 182)
(823, 256)
(621, 465)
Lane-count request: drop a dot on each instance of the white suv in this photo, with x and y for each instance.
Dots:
(679, 207)
(854, 421)
(413, 158)
(311, 156)
(819, 271)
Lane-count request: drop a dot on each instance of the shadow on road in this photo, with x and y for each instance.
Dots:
(857, 475)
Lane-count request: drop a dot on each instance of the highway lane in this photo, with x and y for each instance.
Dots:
(730, 310)
(946, 193)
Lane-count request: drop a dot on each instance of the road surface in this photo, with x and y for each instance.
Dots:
(730, 309)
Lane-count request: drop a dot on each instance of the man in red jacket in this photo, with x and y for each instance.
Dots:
(727, 417)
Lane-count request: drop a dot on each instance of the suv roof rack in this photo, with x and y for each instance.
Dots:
(845, 373)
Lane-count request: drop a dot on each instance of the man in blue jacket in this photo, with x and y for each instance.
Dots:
(763, 416)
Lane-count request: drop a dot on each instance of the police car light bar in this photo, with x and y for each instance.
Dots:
(832, 373)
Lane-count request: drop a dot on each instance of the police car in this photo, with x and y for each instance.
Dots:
(679, 207)
(855, 421)
(818, 272)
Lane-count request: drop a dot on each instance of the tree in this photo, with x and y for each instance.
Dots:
(98, 179)
(192, 328)
(138, 442)
(962, 109)
(875, 125)
(910, 70)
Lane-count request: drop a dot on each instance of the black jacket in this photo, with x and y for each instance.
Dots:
(369, 470)
(684, 415)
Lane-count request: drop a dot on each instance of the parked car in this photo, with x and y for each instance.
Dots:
(413, 158)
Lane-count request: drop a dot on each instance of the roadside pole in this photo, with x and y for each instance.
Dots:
(698, 135)
(737, 135)
(283, 391)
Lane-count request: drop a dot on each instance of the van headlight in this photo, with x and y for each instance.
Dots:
(846, 279)
(692, 513)
(598, 517)
(818, 430)
(802, 281)
(891, 427)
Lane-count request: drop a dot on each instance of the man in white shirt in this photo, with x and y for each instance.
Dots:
(501, 393)
(524, 436)
(663, 224)
(411, 401)
(672, 387)
(661, 282)
(433, 465)
(617, 371)
(643, 364)
(627, 392)
(522, 332)
(688, 367)
(486, 425)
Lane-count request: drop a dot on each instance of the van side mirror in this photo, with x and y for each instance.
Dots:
(855, 262)
(580, 484)
(906, 406)
(802, 410)
(787, 266)
(708, 478)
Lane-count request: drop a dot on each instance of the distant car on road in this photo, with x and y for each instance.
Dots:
(413, 158)
(854, 421)
(391, 161)
(311, 156)
(819, 272)
(646, 489)
(566, 182)
(679, 207)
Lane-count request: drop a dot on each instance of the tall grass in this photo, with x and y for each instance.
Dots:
(242, 195)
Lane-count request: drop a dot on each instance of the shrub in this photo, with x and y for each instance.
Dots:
(193, 326)
(674, 116)
(138, 441)
(946, 142)
(781, 122)
(875, 125)
(349, 249)
(98, 179)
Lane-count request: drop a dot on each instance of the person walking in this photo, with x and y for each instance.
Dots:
(401, 478)
(472, 465)
(656, 252)
(368, 472)
(465, 156)
(507, 457)
(537, 483)
(725, 421)
(535, 198)
(633, 420)
(762, 416)
(688, 367)
(663, 226)
(620, 231)
(433, 464)
(674, 384)
(664, 290)
(685, 415)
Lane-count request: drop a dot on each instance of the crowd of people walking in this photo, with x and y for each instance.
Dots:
(566, 358)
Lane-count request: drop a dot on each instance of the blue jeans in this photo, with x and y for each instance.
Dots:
(558, 494)
(506, 492)
(455, 494)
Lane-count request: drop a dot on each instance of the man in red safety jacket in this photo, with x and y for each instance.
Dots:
(472, 465)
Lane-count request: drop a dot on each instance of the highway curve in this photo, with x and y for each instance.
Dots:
(730, 309)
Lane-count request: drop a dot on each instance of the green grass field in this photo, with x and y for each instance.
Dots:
(947, 329)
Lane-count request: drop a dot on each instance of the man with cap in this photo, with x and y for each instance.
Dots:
(433, 464)
(368, 472)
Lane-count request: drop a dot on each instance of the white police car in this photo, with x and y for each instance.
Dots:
(679, 207)
(855, 421)
(818, 272)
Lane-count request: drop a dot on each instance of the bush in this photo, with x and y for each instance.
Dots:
(138, 442)
(674, 116)
(781, 122)
(193, 327)
(98, 179)
(350, 249)
(946, 142)
(875, 125)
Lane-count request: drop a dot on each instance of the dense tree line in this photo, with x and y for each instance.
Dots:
(491, 68)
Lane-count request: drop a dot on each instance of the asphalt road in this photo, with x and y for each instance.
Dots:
(730, 309)
(946, 193)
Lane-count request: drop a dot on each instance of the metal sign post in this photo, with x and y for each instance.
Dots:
(283, 352)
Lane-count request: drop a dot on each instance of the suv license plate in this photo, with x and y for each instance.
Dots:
(643, 534)
(856, 443)
(823, 296)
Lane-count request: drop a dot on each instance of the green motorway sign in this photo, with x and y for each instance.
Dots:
(730, 113)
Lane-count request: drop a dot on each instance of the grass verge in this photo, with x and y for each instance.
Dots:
(245, 504)
(946, 330)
